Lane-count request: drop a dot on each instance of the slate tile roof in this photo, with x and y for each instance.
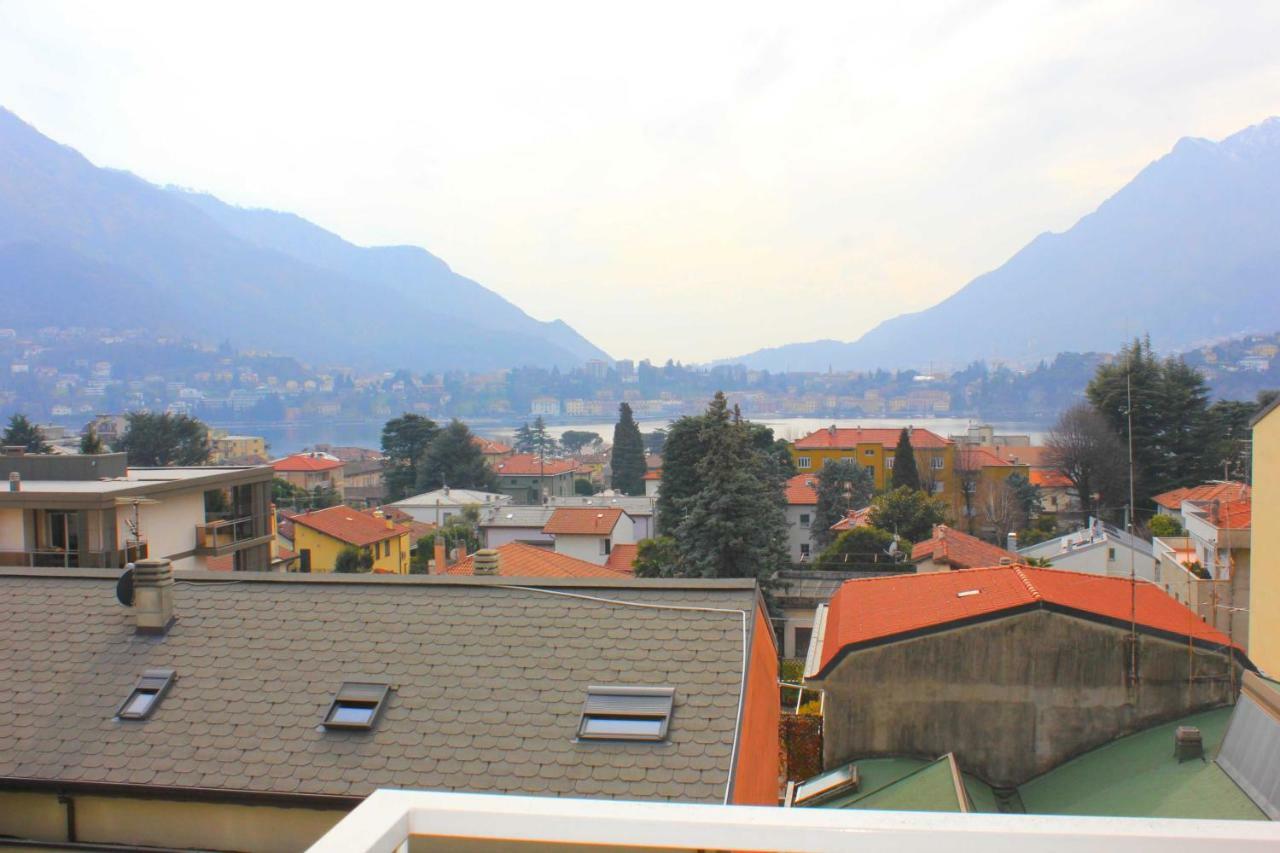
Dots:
(489, 684)
(521, 560)
(864, 611)
(960, 550)
(845, 438)
(350, 525)
(583, 521)
(1223, 491)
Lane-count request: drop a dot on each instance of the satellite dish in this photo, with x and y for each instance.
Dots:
(124, 587)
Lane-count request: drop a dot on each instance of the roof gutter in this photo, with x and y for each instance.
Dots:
(180, 794)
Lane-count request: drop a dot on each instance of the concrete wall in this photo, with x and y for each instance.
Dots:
(168, 527)
(798, 533)
(1013, 697)
(493, 537)
(1264, 595)
(165, 823)
(1096, 559)
(12, 531)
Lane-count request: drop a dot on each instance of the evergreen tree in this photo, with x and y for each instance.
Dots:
(859, 548)
(627, 460)
(574, 440)
(905, 472)
(22, 433)
(353, 560)
(1135, 375)
(524, 441)
(90, 443)
(454, 459)
(656, 557)
(404, 441)
(735, 525)
(159, 440)
(843, 485)
(908, 512)
(680, 478)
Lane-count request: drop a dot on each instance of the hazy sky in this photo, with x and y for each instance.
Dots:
(687, 180)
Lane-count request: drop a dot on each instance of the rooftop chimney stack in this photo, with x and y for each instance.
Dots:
(440, 558)
(1011, 542)
(15, 481)
(153, 596)
(485, 562)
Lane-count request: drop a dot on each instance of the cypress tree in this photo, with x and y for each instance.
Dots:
(627, 460)
(905, 472)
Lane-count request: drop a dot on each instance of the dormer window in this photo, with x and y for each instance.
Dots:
(626, 713)
(146, 694)
(356, 705)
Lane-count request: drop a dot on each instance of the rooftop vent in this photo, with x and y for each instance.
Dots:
(485, 562)
(626, 713)
(146, 694)
(356, 705)
(153, 596)
(1187, 744)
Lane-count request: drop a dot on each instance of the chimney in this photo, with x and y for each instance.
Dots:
(486, 562)
(1011, 542)
(1187, 744)
(15, 450)
(440, 558)
(153, 596)
(15, 481)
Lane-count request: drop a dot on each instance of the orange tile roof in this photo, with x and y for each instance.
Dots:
(654, 474)
(981, 457)
(1235, 515)
(623, 558)
(802, 490)
(349, 525)
(855, 518)
(583, 521)
(1223, 491)
(959, 550)
(1036, 457)
(1048, 479)
(417, 529)
(519, 560)
(844, 438)
(528, 465)
(489, 446)
(879, 609)
(305, 462)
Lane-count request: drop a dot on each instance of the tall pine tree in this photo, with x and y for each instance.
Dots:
(627, 461)
(454, 459)
(905, 472)
(22, 433)
(404, 441)
(680, 478)
(843, 485)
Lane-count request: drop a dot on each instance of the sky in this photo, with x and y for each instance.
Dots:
(674, 180)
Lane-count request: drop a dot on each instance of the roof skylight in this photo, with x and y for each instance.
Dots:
(626, 713)
(356, 705)
(146, 694)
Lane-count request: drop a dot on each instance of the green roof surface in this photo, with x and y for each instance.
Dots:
(873, 774)
(1138, 776)
(981, 797)
(931, 788)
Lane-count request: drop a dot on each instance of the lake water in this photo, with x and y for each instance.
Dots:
(288, 438)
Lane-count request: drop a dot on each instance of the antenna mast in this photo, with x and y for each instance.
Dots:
(1133, 580)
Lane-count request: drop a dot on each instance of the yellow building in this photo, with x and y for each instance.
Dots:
(320, 536)
(874, 449)
(237, 449)
(1264, 597)
(980, 478)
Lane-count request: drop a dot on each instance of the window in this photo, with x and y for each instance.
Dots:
(823, 787)
(356, 705)
(938, 487)
(935, 462)
(804, 519)
(804, 550)
(146, 694)
(802, 462)
(605, 547)
(1111, 553)
(871, 469)
(803, 636)
(870, 451)
(888, 462)
(626, 713)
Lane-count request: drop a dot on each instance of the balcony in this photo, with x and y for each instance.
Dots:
(393, 821)
(225, 535)
(56, 558)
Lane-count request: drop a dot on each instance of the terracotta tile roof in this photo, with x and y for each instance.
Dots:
(845, 438)
(583, 521)
(305, 463)
(417, 529)
(623, 558)
(959, 550)
(349, 525)
(244, 715)
(1048, 479)
(654, 474)
(1234, 515)
(489, 446)
(855, 518)
(1223, 491)
(980, 457)
(1036, 457)
(527, 465)
(876, 609)
(802, 490)
(520, 560)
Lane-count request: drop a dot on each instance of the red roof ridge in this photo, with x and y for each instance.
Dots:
(1026, 581)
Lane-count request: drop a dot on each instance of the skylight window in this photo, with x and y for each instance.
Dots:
(146, 694)
(965, 593)
(820, 788)
(356, 705)
(626, 713)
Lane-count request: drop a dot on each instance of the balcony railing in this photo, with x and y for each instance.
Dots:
(390, 821)
(54, 558)
(213, 536)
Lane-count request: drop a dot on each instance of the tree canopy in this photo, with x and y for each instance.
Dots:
(905, 472)
(454, 459)
(535, 439)
(1083, 448)
(574, 440)
(159, 440)
(908, 512)
(404, 441)
(90, 443)
(353, 560)
(860, 548)
(627, 460)
(843, 485)
(22, 433)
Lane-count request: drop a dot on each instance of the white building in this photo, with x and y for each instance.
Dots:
(437, 507)
(590, 533)
(500, 525)
(1099, 549)
(639, 507)
(544, 406)
(802, 503)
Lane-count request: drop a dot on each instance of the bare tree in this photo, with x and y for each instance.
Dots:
(1001, 509)
(1082, 448)
(968, 477)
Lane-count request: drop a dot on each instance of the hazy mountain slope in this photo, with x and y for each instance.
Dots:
(155, 254)
(1189, 250)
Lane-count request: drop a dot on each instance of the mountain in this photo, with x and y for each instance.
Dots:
(81, 245)
(1188, 251)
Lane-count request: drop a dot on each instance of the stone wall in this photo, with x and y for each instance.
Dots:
(1013, 697)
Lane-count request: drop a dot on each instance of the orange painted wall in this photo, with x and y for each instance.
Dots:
(756, 773)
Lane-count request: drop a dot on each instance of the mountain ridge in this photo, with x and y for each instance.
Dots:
(192, 264)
